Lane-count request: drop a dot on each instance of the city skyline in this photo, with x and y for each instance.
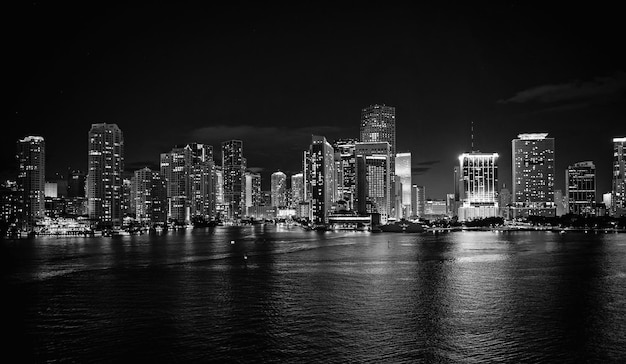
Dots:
(170, 76)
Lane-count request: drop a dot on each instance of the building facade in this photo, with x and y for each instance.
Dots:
(374, 179)
(533, 175)
(104, 181)
(233, 169)
(31, 158)
(580, 188)
(618, 192)
(403, 185)
(345, 165)
(279, 189)
(321, 179)
(478, 187)
(149, 196)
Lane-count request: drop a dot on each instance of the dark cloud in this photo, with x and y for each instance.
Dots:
(575, 90)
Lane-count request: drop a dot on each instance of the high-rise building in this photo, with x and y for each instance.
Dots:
(618, 192)
(374, 179)
(149, 196)
(253, 190)
(478, 186)
(202, 187)
(378, 124)
(297, 189)
(279, 189)
(31, 158)
(533, 175)
(403, 185)
(104, 181)
(418, 198)
(345, 165)
(233, 170)
(581, 188)
(175, 168)
(321, 178)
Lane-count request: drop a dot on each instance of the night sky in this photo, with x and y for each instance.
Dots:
(273, 75)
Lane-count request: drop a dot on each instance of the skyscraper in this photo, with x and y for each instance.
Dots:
(418, 198)
(321, 178)
(345, 165)
(533, 175)
(478, 185)
(31, 158)
(374, 179)
(201, 173)
(618, 193)
(581, 188)
(233, 171)
(378, 124)
(149, 196)
(175, 168)
(279, 189)
(403, 185)
(75, 184)
(297, 189)
(104, 181)
(253, 190)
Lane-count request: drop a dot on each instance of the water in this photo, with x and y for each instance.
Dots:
(317, 297)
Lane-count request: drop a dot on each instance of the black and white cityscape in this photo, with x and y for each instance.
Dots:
(265, 183)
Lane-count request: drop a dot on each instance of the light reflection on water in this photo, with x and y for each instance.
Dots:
(330, 297)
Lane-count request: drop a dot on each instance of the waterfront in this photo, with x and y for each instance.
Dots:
(272, 293)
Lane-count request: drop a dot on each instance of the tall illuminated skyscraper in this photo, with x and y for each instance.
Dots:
(478, 185)
(320, 162)
(533, 175)
(175, 167)
(104, 181)
(618, 192)
(279, 189)
(374, 179)
(202, 186)
(253, 190)
(233, 171)
(297, 189)
(403, 185)
(149, 196)
(345, 165)
(581, 188)
(378, 124)
(31, 158)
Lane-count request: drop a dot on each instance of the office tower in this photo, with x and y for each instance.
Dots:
(233, 169)
(403, 185)
(31, 158)
(478, 186)
(104, 181)
(219, 185)
(253, 190)
(606, 200)
(126, 199)
(374, 179)
(175, 168)
(149, 196)
(560, 203)
(618, 192)
(533, 175)
(378, 124)
(279, 189)
(345, 165)
(418, 199)
(580, 188)
(10, 198)
(201, 195)
(297, 189)
(76, 184)
(321, 178)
